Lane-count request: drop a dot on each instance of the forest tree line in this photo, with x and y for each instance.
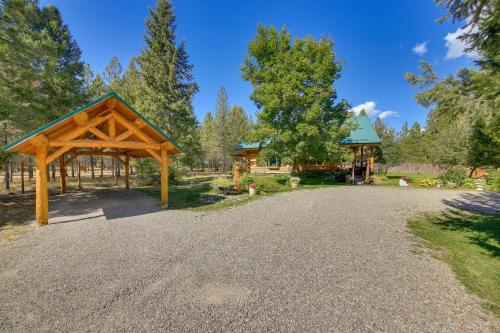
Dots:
(42, 77)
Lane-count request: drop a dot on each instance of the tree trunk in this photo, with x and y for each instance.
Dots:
(7, 178)
(30, 169)
(53, 171)
(72, 169)
(92, 166)
(472, 172)
(11, 171)
(102, 166)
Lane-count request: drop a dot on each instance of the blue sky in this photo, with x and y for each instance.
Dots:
(378, 42)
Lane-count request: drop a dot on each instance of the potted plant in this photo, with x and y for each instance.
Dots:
(252, 189)
(294, 181)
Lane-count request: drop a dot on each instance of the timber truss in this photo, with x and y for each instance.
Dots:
(108, 126)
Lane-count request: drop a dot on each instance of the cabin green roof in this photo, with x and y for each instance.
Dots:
(363, 132)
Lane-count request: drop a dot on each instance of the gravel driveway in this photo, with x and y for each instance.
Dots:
(335, 259)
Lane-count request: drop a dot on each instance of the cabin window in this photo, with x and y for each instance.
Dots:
(274, 162)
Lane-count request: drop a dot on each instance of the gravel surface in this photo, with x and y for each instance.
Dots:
(335, 259)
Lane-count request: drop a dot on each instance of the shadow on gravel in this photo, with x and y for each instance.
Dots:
(108, 203)
(487, 202)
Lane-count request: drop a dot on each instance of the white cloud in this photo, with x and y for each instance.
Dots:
(456, 46)
(386, 114)
(370, 108)
(420, 48)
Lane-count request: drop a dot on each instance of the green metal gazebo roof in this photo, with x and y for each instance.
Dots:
(363, 132)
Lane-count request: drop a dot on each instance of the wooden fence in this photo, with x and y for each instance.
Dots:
(417, 168)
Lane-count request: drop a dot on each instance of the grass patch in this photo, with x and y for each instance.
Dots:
(205, 195)
(470, 244)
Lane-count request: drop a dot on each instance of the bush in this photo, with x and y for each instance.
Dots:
(380, 179)
(148, 170)
(341, 176)
(426, 182)
(266, 184)
(245, 180)
(493, 180)
(454, 177)
(222, 182)
(282, 179)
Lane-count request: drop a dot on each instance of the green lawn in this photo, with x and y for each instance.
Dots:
(470, 244)
(204, 194)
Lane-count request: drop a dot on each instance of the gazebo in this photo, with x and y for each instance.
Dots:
(363, 135)
(107, 126)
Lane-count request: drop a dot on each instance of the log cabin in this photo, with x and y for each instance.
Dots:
(362, 136)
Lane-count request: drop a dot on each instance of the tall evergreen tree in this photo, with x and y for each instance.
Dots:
(221, 121)
(167, 74)
(112, 75)
(208, 137)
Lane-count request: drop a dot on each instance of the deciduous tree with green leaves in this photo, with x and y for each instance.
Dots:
(293, 89)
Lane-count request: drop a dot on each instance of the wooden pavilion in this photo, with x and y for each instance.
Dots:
(107, 126)
(362, 136)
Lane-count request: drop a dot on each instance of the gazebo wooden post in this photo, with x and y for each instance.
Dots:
(164, 175)
(62, 173)
(127, 171)
(353, 163)
(368, 169)
(372, 159)
(22, 176)
(42, 193)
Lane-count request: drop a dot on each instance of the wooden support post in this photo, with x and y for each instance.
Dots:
(372, 159)
(164, 176)
(42, 193)
(127, 171)
(22, 176)
(79, 175)
(353, 164)
(367, 175)
(62, 174)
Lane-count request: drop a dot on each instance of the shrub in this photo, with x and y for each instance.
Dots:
(470, 183)
(380, 179)
(493, 180)
(222, 182)
(455, 175)
(341, 176)
(245, 180)
(148, 170)
(426, 182)
(267, 184)
(282, 179)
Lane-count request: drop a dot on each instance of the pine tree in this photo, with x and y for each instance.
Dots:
(208, 139)
(112, 75)
(167, 75)
(63, 78)
(97, 88)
